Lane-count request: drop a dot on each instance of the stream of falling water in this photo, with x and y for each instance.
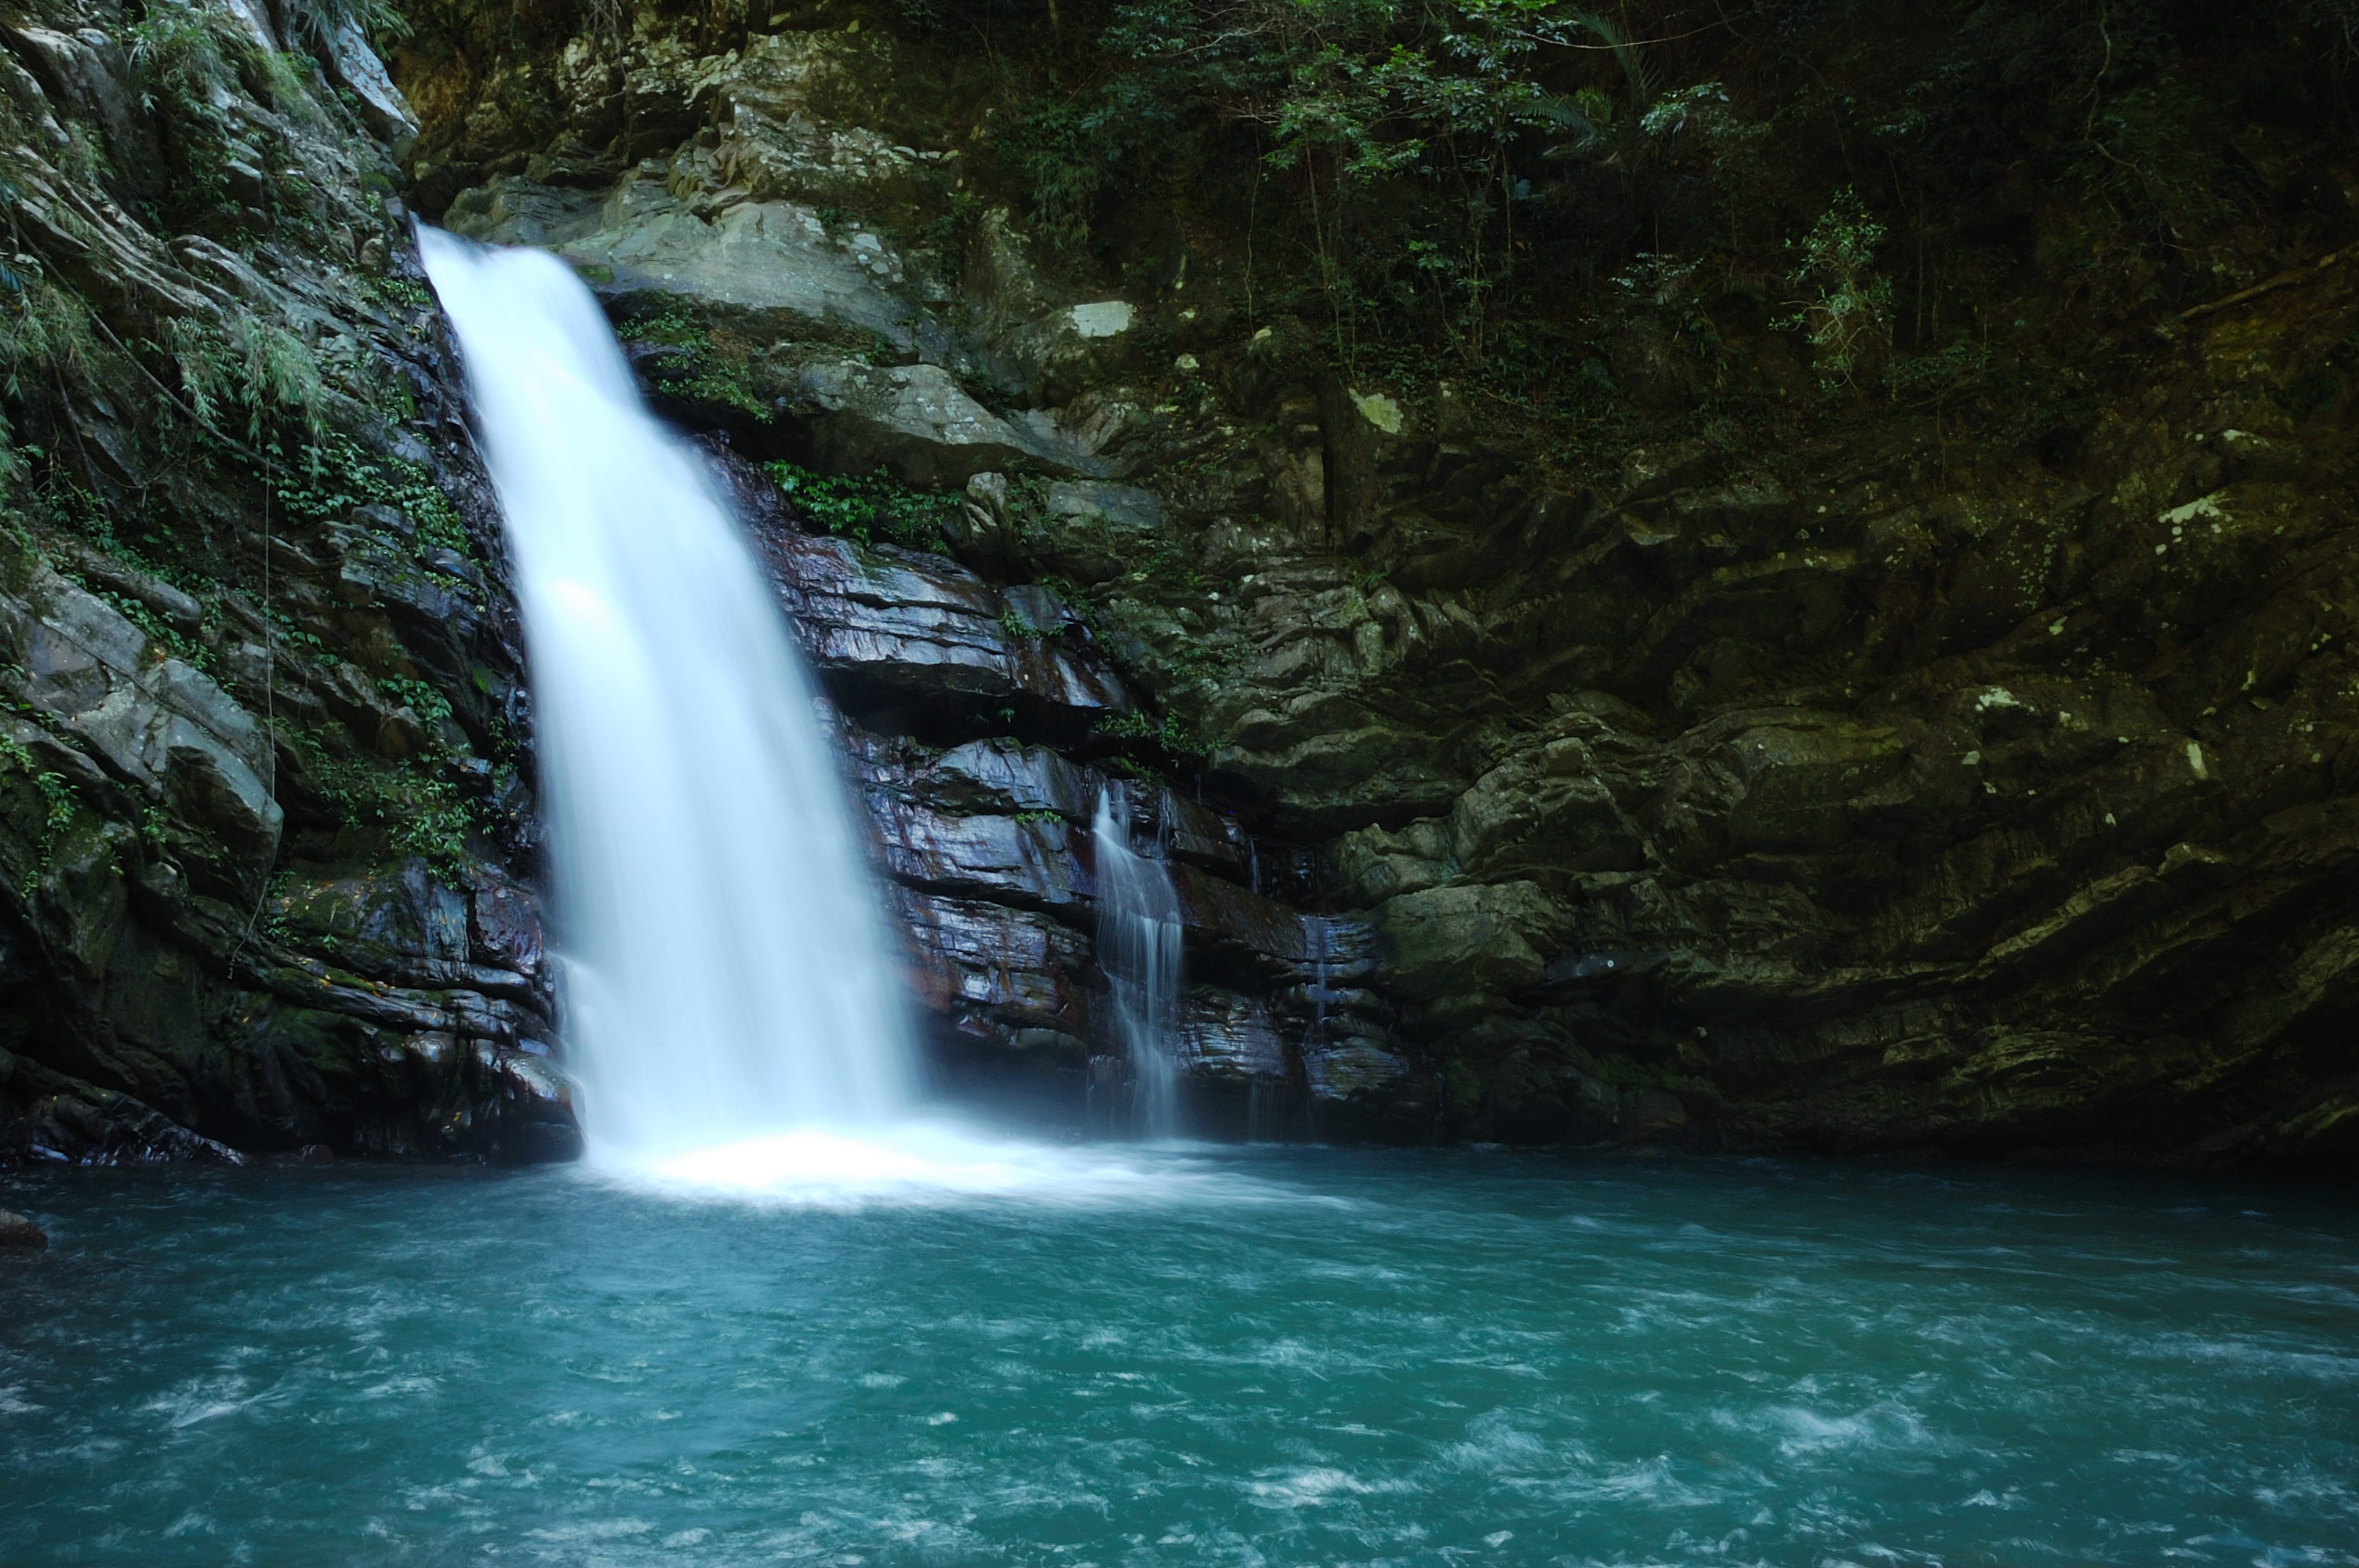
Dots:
(728, 980)
(1139, 934)
(733, 1002)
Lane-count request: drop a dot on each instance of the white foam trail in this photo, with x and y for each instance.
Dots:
(928, 1163)
(727, 966)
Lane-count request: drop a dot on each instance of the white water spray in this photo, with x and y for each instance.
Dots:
(1139, 936)
(727, 970)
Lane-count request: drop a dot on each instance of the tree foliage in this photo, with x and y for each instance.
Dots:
(1423, 175)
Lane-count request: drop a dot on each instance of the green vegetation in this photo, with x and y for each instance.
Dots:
(342, 477)
(1015, 626)
(864, 509)
(413, 801)
(711, 368)
(189, 65)
(1170, 734)
(1573, 214)
(55, 793)
(1847, 307)
(252, 365)
(45, 335)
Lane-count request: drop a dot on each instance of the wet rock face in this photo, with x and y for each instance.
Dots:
(986, 840)
(1885, 787)
(265, 838)
(893, 629)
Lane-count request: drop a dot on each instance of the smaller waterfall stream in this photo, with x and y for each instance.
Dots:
(1139, 934)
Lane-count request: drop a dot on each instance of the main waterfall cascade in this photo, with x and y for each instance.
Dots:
(1139, 937)
(727, 971)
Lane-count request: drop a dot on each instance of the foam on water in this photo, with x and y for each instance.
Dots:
(1317, 1357)
(923, 1161)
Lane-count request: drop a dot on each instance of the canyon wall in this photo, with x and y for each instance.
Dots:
(1943, 750)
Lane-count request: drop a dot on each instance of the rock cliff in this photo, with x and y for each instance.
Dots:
(1737, 733)
(267, 831)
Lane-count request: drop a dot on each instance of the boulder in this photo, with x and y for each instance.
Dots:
(819, 77)
(1205, 838)
(918, 422)
(19, 1234)
(1466, 938)
(1039, 338)
(1362, 1088)
(155, 723)
(514, 211)
(799, 159)
(64, 1118)
(383, 109)
(772, 260)
(773, 263)
(1091, 531)
(508, 933)
(994, 974)
(1005, 776)
(1233, 929)
(1375, 865)
(1225, 1038)
(1026, 861)
(407, 925)
(87, 72)
(1545, 811)
(524, 1109)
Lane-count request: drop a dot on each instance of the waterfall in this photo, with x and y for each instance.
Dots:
(727, 972)
(1317, 934)
(1139, 951)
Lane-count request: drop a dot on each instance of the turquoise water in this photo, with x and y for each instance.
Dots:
(1244, 1356)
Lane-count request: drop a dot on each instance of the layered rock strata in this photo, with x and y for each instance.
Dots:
(1877, 784)
(1861, 776)
(265, 832)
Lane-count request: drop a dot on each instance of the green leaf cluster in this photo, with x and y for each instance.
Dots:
(56, 795)
(707, 370)
(252, 365)
(865, 509)
(413, 802)
(342, 476)
(1171, 733)
(1846, 306)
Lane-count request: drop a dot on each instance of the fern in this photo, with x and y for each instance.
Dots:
(258, 366)
(1644, 82)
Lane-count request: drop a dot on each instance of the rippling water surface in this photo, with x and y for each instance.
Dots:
(1193, 1357)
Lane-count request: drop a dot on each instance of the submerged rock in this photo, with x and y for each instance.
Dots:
(19, 1234)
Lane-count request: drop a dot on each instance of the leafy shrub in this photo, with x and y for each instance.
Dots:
(413, 802)
(1170, 733)
(251, 364)
(44, 333)
(56, 795)
(862, 508)
(1846, 309)
(343, 477)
